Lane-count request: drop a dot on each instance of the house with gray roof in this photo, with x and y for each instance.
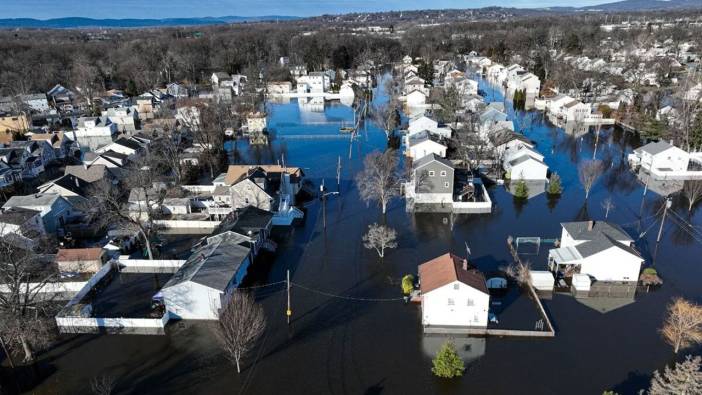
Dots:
(55, 211)
(661, 157)
(601, 250)
(200, 288)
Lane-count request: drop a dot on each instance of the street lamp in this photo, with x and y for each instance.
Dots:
(323, 196)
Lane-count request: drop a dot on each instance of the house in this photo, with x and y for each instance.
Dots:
(89, 174)
(80, 260)
(94, 127)
(220, 79)
(70, 187)
(23, 222)
(423, 144)
(59, 142)
(256, 122)
(252, 223)
(601, 250)
(315, 82)
(60, 97)
(660, 155)
(421, 123)
(126, 119)
(416, 84)
(575, 111)
(204, 284)
(179, 91)
(127, 146)
(453, 295)
(9, 124)
(433, 178)
(416, 98)
(525, 81)
(504, 141)
(110, 159)
(524, 165)
(298, 71)
(55, 211)
(279, 87)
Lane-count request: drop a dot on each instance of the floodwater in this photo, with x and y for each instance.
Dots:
(340, 342)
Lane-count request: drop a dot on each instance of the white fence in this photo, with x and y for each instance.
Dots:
(474, 207)
(49, 291)
(185, 224)
(144, 326)
(149, 266)
(199, 188)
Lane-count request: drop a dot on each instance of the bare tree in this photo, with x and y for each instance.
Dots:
(25, 314)
(380, 237)
(692, 190)
(387, 116)
(102, 385)
(84, 75)
(684, 379)
(588, 172)
(683, 325)
(607, 205)
(109, 205)
(519, 272)
(379, 180)
(241, 323)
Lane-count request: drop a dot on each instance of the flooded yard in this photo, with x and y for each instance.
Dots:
(350, 331)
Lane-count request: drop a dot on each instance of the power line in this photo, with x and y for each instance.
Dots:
(353, 298)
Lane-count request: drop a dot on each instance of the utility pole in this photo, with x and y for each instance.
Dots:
(324, 204)
(288, 312)
(668, 203)
(338, 174)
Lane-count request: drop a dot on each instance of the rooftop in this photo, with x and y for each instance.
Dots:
(446, 269)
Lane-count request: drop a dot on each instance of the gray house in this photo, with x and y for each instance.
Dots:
(55, 210)
(433, 179)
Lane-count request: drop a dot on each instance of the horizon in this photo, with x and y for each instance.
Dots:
(162, 9)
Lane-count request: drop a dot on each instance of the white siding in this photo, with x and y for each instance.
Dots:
(470, 306)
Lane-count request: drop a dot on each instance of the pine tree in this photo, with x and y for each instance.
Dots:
(684, 379)
(447, 363)
(554, 185)
(521, 190)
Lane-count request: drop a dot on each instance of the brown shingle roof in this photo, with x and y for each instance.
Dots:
(446, 269)
(236, 172)
(78, 254)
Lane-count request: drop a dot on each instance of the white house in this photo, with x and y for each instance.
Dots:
(522, 166)
(416, 98)
(453, 294)
(660, 156)
(421, 145)
(279, 87)
(125, 118)
(525, 81)
(200, 288)
(315, 82)
(94, 127)
(601, 250)
(421, 123)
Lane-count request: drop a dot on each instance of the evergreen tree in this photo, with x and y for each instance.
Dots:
(554, 185)
(684, 379)
(521, 190)
(448, 363)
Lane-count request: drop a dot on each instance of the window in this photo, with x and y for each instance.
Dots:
(431, 173)
(446, 184)
(443, 173)
(469, 302)
(455, 286)
(450, 301)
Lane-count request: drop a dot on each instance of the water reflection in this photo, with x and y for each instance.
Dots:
(468, 348)
(606, 304)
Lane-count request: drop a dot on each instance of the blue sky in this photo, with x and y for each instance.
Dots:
(46, 9)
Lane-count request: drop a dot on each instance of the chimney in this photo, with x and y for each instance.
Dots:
(465, 264)
(590, 225)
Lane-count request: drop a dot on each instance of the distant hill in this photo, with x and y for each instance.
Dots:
(72, 23)
(636, 5)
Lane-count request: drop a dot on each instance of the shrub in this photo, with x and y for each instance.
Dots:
(407, 284)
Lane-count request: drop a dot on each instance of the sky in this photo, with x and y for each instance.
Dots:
(157, 9)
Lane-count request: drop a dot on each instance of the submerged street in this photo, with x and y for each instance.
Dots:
(351, 333)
